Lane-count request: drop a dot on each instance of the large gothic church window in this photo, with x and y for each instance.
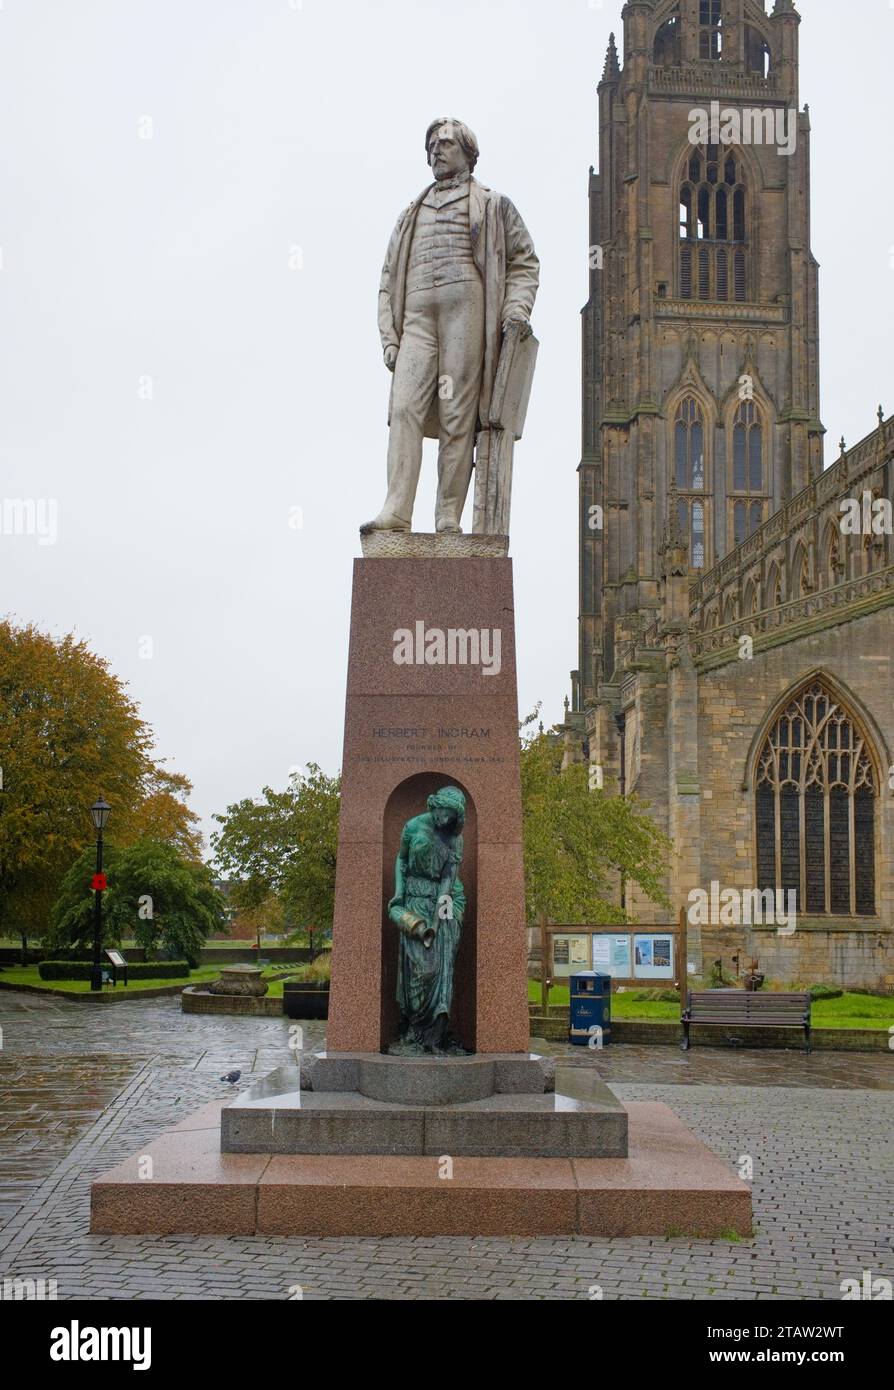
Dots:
(815, 807)
(713, 227)
(689, 468)
(749, 472)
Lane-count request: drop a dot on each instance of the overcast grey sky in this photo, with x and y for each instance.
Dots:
(162, 264)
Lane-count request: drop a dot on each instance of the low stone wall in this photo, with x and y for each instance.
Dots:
(197, 1001)
(554, 1028)
(854, 956)
(247, 955)
(118, 995)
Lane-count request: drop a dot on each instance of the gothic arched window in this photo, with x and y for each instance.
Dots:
(805, 579)
(757, 52)
(713, 224)
(748, 472)
(834, 567)
(815, 792)
(689, 477)
(689, 446)
(691, 516)
(666, 49)
(800, 575)
(868, 555)
(710, 25)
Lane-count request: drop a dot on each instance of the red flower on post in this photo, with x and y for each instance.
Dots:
(99, 883)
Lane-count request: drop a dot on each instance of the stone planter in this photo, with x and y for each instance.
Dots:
(305, 1000)
(239, 980)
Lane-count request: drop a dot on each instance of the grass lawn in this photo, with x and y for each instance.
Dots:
(850, 1011)
(29, 975)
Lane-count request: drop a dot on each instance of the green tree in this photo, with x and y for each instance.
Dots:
(155, 894)
(578, 841)
(70, 926)
(284, 843)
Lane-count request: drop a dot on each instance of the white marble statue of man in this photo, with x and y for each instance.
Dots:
(460, 266)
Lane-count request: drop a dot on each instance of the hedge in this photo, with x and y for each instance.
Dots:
(140, 970)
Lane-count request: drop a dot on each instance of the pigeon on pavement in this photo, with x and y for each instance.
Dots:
(232, 1077)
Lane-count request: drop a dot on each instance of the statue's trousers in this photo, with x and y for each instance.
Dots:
(441, 354)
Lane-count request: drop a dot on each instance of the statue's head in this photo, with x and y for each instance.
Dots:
(450, 147)
(448, 808)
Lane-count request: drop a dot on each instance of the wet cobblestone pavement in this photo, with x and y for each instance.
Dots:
(728, 1066)
(82, 1087)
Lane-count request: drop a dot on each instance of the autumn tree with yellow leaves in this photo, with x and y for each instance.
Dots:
(68, 733)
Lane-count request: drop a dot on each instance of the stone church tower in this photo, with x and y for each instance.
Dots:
(735, 639)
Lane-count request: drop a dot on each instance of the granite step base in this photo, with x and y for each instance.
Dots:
(581, 1118)
(670, 1184)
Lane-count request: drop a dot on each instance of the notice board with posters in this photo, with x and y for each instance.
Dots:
(653, 956)
(611, 955)
(571, 954)
(624, 952)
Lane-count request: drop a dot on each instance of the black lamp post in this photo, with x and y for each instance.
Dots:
(99, 814)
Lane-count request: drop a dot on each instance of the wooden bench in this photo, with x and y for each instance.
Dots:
(744, 1008)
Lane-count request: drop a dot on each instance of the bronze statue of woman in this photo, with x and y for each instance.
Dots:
(428, 906)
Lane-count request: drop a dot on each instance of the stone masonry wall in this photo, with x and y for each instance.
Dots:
(734, 703)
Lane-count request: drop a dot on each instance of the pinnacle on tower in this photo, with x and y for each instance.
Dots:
(612, 67)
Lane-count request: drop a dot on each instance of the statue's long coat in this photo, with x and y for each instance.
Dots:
(504, 254)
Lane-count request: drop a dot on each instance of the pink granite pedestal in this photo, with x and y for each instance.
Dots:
(411, 729)
(670, 1184)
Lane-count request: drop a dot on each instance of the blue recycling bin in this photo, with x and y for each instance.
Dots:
(591, 1009)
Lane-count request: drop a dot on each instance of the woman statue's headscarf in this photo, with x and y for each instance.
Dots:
(449, 799)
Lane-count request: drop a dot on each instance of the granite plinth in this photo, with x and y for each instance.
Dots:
(425, 1080)
(669, 1185)
(278, 1116)
(411, 728)
(431, 545)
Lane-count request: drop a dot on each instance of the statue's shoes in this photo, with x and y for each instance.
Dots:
(446, 528)
(384, 523)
